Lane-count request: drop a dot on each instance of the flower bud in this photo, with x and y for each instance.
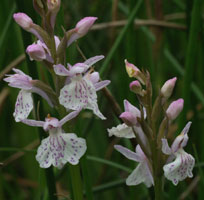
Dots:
(168, 87)
(84, 25)
(133, 71)
(136, 87)
(174, 109)
(53, 5)
(36, 52)
(53, 8)
(23, 20)
(128, 118)
(38, 5)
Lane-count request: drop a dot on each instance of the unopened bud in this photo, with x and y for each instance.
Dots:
(36, 52)
(38, 5)
(136, 87)
(53, 8)
(23, 20)
(128, 118)
(174, 109)
(53, 5)
(168, 87)
(84, 25)
(133, 71)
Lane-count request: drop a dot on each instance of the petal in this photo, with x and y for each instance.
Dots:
(50, 152)
(78, 68)
(182, 139)
(69, 117)
(127, 153)
(31, 122)
(75, 95)
(58, 149)
(180, 168)
(92, 105)
(80, 93)
(122, 130)
(61, 70)
(57, 41)
(100, 85)
(93, 77)
(91, 61)
(141, 174)
(24, 105)
(130, 108)
(165, 147)
(75, 148)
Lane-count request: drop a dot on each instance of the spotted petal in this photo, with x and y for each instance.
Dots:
(24, 105)
(180, 168)
(58, 149)
(80, 93)
(122, 130)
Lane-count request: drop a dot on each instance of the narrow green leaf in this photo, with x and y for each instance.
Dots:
(120, 37)
(109, 185)
(190, 58)
(6, 26)
(110, 163)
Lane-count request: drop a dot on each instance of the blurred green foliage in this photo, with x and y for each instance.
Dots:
(158, 44)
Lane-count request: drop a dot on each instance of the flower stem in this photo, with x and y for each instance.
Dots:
(76, 182)
(158, 188)
(50, 178)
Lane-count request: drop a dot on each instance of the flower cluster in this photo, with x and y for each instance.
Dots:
(75, 85)
(152, 152)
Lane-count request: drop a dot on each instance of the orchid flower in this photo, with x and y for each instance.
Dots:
(80, 90)
(24, 102)
(59, 147)
(39, 51)
(129, 117)
(143, 171)
(183, 163)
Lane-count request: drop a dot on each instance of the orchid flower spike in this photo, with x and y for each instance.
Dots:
(80, 90)
(183, 163)
(81, 29)
(129, 117)
(143, 171)
(24, 102)
(59, 147)
(39, 51)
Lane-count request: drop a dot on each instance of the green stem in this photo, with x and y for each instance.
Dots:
(50, 178)
(87, 181)
(76, 182)
(158, 188)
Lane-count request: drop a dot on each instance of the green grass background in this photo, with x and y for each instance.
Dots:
(162, 50)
